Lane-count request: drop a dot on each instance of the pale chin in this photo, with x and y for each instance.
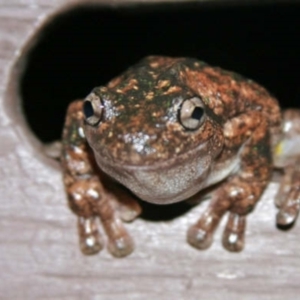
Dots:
(166, 186)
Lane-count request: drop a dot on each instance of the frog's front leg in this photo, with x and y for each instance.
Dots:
(87, 196)
(239, 193)
(287, 156)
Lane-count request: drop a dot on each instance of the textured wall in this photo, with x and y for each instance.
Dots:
(39, 257)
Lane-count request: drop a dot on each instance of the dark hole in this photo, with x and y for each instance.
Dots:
(88, 109)
(197, 113)
(154, 212)
(88, 46)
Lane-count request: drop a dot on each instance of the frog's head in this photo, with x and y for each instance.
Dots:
(151, 132)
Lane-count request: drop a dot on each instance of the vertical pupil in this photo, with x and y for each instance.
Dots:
(197, 113)
(88, 109)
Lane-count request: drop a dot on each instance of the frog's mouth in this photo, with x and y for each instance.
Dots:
(165, 182)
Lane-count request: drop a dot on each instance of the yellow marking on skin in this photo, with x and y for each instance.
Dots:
(279, 149)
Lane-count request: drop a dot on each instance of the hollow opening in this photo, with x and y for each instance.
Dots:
(88, 46)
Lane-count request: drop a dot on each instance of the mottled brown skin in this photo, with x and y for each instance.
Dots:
(141, 141)
(87, 197)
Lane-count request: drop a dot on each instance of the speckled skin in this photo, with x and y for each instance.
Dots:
(141, 142)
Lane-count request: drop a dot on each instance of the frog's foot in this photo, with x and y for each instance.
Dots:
(234, 233)
(89, 201)
(236, 196)
(288, 197)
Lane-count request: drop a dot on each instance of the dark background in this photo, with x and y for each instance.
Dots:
(88, 46)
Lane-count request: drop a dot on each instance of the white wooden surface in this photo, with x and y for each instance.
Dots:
(39, 256)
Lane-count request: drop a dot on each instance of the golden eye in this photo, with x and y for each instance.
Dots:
(191, 114)
(92, 109)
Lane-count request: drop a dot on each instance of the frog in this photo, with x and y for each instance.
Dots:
(167, 129)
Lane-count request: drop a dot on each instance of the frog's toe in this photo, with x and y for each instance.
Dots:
(289, 210)
(121, 246)
(89, 238)
(288, 198)
(199, 238)
(129, 209)
(233, 236)
(120, 243)
(200, 235)
(125, 204)
(90, 245)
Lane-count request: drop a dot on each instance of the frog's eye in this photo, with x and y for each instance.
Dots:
(92, 109)
(191, 113)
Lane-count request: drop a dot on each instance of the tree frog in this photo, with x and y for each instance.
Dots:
(166, 129)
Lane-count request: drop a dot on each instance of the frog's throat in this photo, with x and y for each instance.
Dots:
(164, 182)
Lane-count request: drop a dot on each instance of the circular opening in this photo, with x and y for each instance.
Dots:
(86, 47)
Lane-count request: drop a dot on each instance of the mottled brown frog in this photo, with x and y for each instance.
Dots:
(166, 129)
